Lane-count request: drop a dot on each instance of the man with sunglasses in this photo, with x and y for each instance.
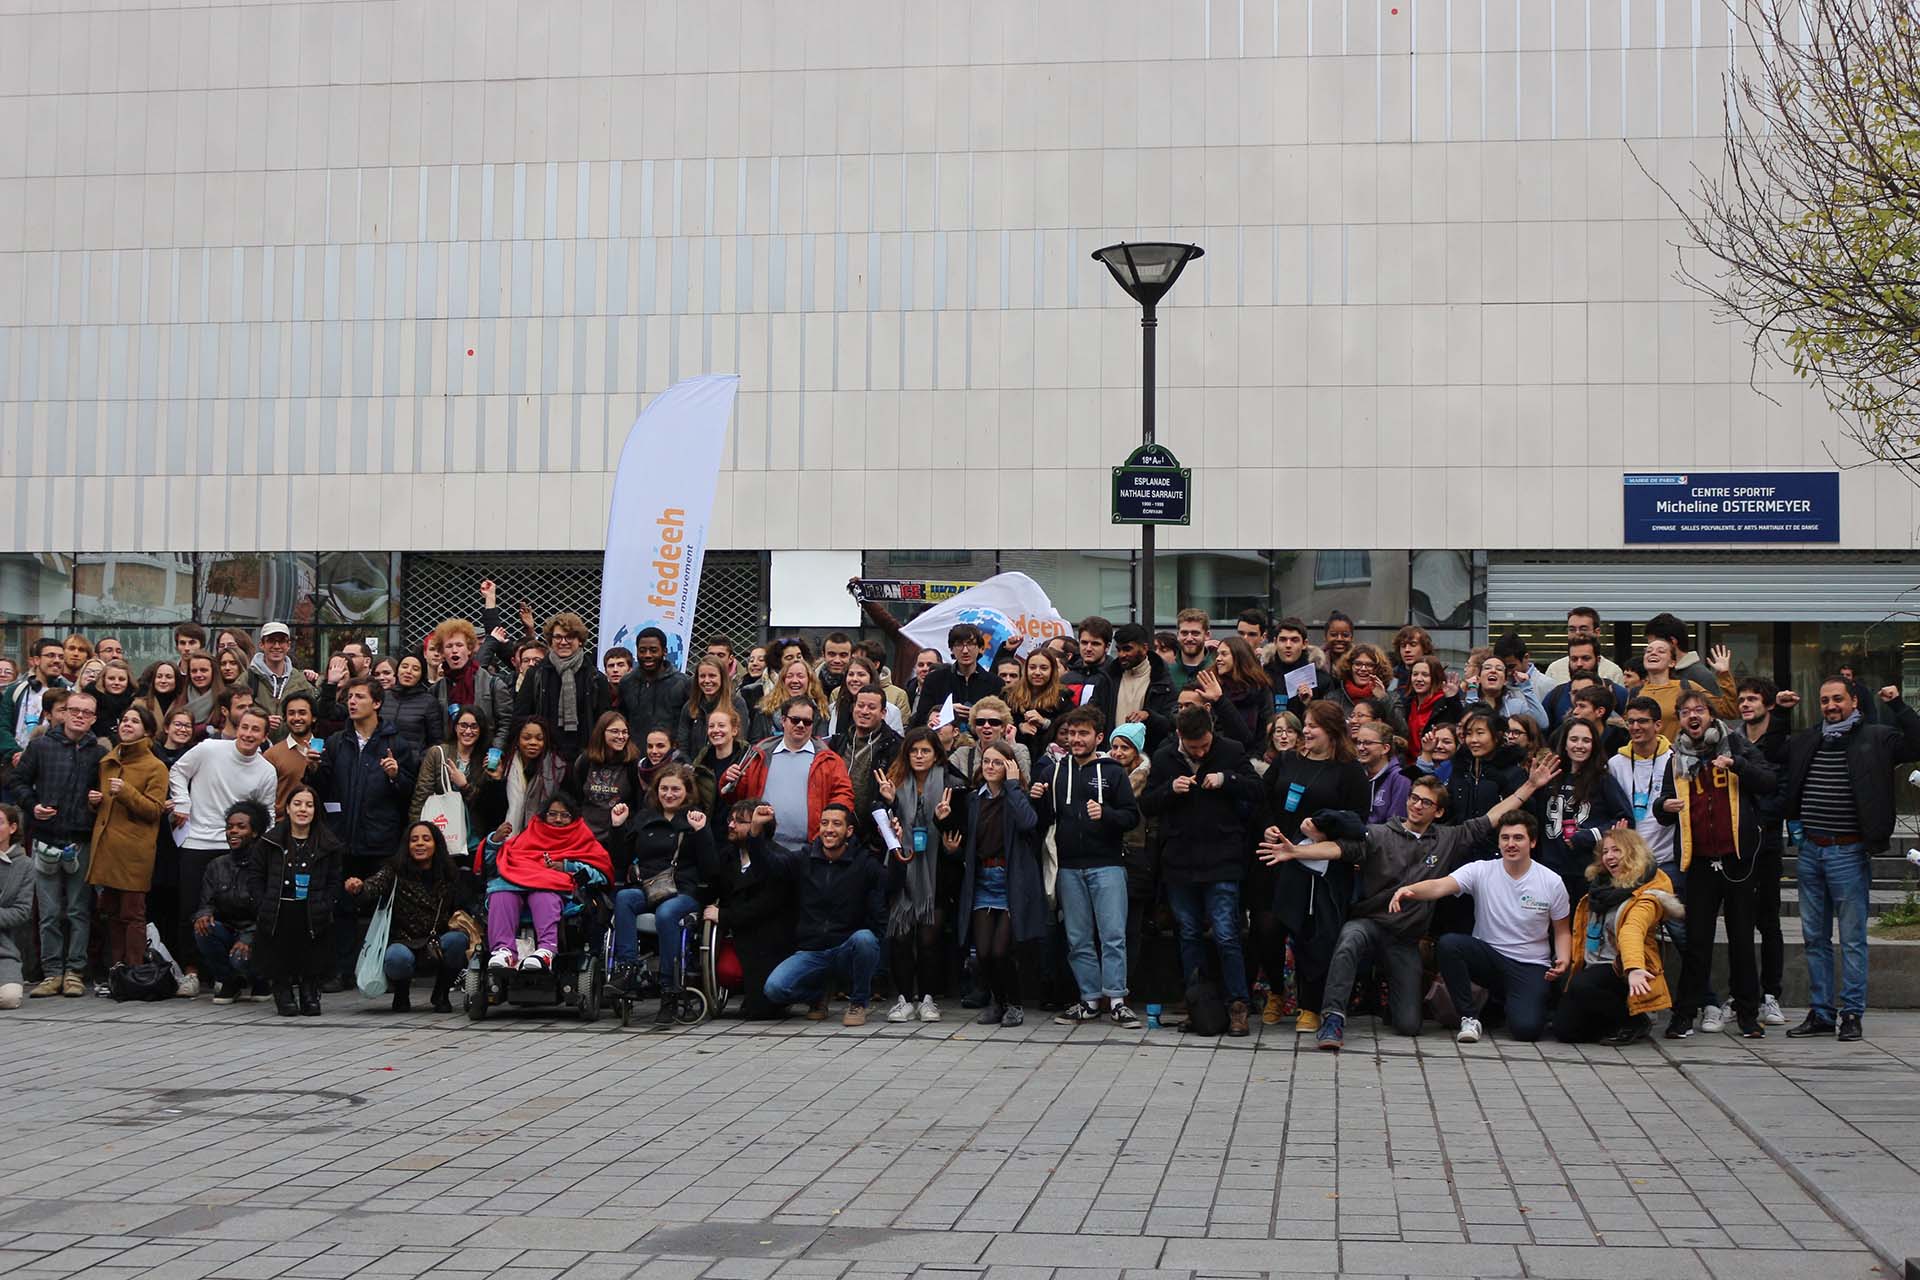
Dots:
(796, 775)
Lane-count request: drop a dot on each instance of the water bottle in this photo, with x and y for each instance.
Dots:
(1153, 1010)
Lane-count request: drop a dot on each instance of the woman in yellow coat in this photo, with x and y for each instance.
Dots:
(1617, 977)
(128, 806)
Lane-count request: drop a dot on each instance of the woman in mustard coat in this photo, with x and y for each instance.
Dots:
(128, 805)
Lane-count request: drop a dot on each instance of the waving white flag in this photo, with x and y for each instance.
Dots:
(1007, 604)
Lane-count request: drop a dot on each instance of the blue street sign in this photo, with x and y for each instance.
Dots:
(1732, 506)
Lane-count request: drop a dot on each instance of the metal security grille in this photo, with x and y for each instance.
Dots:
(732, 595)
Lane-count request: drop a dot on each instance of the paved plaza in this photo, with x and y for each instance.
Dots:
(175, 1142)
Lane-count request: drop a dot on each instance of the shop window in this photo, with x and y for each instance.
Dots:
(250, 589)
(36, 587)
(134, 586)
(1342, 568)
(356, 587)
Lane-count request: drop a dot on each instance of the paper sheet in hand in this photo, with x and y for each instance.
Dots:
(883, 819)
(945, 713)
(1301, 681)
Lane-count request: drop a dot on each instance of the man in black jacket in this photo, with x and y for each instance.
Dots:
(1290, 653)
(223, 926)
(653, 695)
(565, 689)
(868, 745)
(749, 882)
(840, 913)
(1086, 798)
(1839, 783)
(1206, 794)
(1765, 718)
(365, 779)
(964, 679)
(1139, 690)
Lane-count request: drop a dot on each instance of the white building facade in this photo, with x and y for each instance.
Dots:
(318, 308)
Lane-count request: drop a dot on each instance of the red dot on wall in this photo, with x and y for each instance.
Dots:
(469, 350)
(1394, 12)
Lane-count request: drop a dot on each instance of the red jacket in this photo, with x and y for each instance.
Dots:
(827, 781)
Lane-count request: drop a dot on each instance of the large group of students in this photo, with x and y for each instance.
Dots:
(1324, 828)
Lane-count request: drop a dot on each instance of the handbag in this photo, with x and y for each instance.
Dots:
(150, 980)
(662, 884)
(447, 811)
(370, 970)
(462, 922)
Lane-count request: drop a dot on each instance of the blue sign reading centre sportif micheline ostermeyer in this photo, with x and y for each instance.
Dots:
(1733, 506)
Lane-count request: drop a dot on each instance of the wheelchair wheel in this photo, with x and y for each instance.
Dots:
(592, 982)
(476, 990)
(690, 1007)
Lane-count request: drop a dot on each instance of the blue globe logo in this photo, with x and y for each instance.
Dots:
(993, 624)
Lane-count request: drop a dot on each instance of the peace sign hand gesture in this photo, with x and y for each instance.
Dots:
(944, 809)
(887, 790)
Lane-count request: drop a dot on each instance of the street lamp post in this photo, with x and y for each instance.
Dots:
(1146, 271)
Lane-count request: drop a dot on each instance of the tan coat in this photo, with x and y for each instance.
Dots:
(126, 827)
(1635, 927)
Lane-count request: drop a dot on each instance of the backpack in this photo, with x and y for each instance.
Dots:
(152, 979)
(1206, 1008)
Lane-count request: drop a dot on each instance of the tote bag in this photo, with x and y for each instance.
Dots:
(447, 811)
(370, 971)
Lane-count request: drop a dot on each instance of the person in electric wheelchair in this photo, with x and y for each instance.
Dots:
(658, 860)
(557, 874)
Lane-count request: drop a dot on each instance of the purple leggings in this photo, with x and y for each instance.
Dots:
(503, 917)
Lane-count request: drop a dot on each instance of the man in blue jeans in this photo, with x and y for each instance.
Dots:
(1203, 789)
(1839, 784)
(1088, 801)
(841, 911)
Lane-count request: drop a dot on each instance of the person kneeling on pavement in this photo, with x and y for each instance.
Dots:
(749, 881)
(426, 892)
(1390, 856)
(16, 907)
(223, 926)
(841, 912)
(1617, 979)
(1519, 943)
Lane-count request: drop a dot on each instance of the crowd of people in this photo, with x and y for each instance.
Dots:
(1324, 828)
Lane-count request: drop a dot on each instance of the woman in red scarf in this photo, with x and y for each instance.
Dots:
(536, 870)
(1426, 699)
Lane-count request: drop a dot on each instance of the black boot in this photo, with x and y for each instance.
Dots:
(309, 998)
(663, 1017)
(441, 985)
(403, 997)
(283, 1000)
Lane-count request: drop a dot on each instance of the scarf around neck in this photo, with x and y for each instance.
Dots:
(569, 669)
(1689, 754)
(1607, 897)
(1828, 732)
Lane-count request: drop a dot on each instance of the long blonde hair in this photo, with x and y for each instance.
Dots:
(1636, 859)
(777, 688)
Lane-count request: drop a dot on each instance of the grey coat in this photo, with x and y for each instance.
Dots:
(16, 909)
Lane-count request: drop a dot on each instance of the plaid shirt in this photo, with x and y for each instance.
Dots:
(55, 770)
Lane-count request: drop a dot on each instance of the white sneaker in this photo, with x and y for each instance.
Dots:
(1713, 1019)
(929, 1011)
(902, 1010)
(500, 959)
(537, 961)
(190, 988)
(1469, 1032)
(1770, 1014)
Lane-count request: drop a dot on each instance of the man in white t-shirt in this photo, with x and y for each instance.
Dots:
(1520, 941)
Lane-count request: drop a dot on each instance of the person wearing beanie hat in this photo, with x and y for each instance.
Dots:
(1134, 733)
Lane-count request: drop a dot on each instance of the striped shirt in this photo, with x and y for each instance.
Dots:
(1826, 803)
